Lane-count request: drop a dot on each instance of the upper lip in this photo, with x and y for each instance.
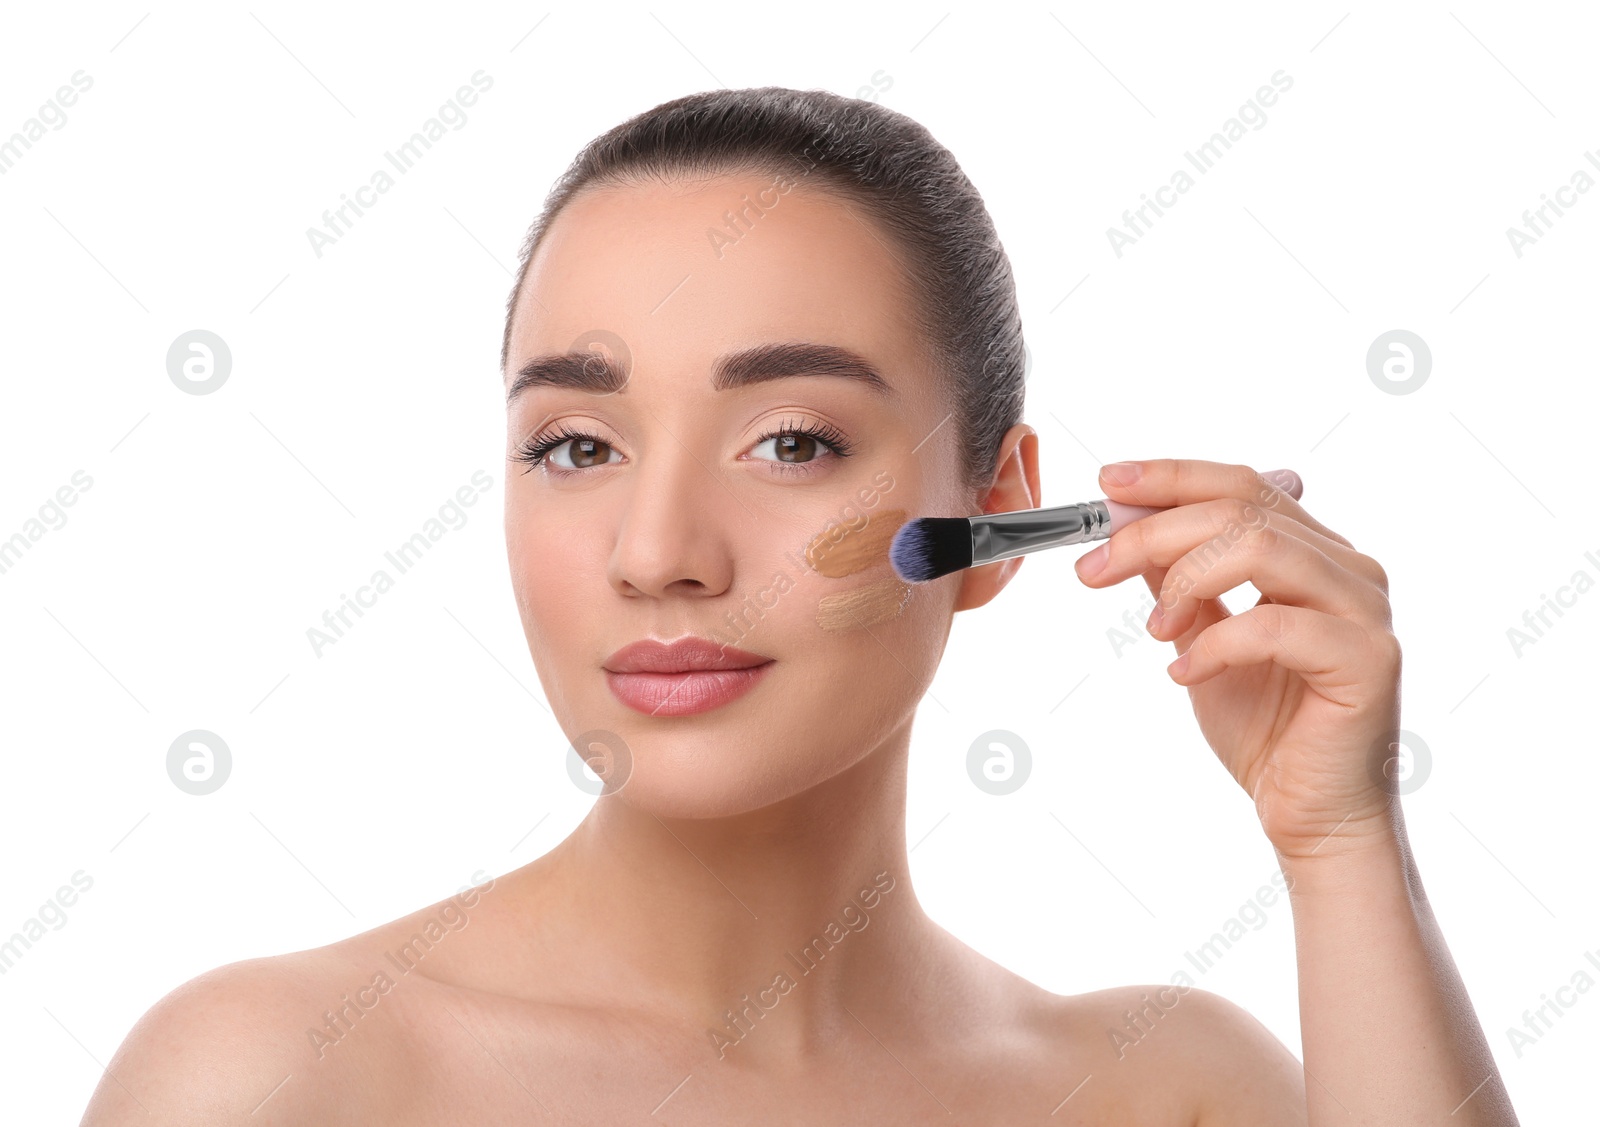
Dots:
(690, 653)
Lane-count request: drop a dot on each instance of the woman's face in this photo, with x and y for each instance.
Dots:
(735, 514)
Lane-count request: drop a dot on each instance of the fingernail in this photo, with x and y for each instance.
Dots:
(1093, 563)
(1121, 473)
(1154, 624)
(1178, 667)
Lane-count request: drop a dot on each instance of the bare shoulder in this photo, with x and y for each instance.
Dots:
(1219, 1064)
(290, 1038)
(239, 1044)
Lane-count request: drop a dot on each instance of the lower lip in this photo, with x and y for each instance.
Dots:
(683, 694)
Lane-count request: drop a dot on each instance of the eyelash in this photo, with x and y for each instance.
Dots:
(535, 451)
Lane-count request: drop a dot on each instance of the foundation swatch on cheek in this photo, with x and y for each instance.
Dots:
(837, 553)
(865, 606)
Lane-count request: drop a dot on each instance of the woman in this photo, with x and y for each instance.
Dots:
(754, 331)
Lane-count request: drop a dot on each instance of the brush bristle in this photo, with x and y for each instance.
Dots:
(928, 547)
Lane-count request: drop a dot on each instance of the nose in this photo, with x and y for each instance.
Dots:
(671, 539)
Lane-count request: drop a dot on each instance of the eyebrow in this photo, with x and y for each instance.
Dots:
(598, 373)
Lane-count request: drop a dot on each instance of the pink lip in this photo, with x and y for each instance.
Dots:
(684, 677)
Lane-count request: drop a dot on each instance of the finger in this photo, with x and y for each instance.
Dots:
(1167, 482)
(1341, 553)
(1283, 567)
(1210, 530)
(1335, 654)
(1207, 612)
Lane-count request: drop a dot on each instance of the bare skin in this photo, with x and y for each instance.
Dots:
(488, 1028)
(522, 996)
(595, 984)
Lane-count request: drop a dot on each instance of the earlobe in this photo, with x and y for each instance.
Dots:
(1016, 486)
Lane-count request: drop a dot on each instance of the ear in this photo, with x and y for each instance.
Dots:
(1016, 486)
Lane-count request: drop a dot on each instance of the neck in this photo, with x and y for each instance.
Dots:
(758, 929)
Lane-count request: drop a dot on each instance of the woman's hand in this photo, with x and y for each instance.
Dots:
(1298, 696)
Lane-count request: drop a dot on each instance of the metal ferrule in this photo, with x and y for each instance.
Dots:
(999, 536)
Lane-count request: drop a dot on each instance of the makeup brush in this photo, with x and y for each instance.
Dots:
(928, 547)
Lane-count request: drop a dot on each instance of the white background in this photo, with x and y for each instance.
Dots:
(364, 392)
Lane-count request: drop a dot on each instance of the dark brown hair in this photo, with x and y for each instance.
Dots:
(896, 171)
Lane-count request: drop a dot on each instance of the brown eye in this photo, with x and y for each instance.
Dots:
(803, 447)
(799, 446)
(588, 452)
(795, 447)
(566, 452)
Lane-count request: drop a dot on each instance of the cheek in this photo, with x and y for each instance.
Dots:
(551, 577)
(834, 584)
(867, 605)
(862, 546)
(846, 549)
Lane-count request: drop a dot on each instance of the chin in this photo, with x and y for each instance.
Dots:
(696, 775)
